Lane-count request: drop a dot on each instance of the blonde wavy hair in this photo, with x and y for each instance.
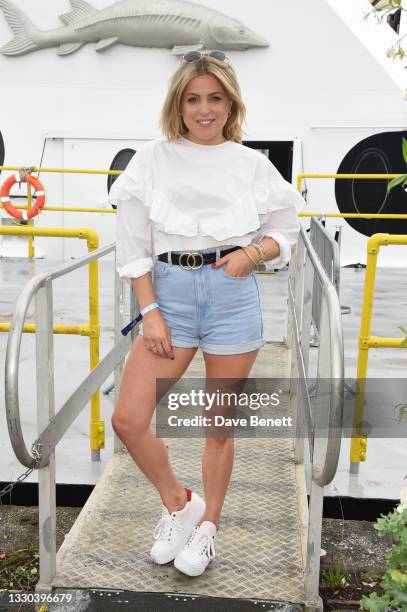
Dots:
(171, 122)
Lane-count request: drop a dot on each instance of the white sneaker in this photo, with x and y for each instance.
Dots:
(174, 529)
(198, 552)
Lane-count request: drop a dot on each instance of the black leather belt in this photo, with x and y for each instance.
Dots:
(191, 260)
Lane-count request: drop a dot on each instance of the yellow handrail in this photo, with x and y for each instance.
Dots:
(301, 214)
(62, 170)
(354, 215)
(29, 328)
(344, 176)
(68, 209)
(366, 341)
(92, 330)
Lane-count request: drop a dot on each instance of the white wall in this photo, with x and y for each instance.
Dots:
(316, 81)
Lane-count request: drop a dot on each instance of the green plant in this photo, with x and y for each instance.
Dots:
(370, 576)
(402, 179)
(394, 580)
(404, 330)
(334, 578)
(19, 568)
(381, 11)
(401, 412)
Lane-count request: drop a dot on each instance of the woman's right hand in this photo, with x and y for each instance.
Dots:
(157, 335)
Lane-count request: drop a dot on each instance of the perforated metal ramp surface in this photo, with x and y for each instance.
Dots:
(260, 545)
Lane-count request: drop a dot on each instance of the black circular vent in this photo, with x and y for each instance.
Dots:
(119, 162)
(377, 154)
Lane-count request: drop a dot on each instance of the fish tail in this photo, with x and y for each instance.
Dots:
(23, 29)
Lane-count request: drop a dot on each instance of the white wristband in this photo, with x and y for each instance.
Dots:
(148, 308)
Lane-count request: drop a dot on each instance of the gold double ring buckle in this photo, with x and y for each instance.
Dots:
(191, 261)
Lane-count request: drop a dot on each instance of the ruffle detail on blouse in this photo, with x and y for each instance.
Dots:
(276, 194)
(272, 191)
(238, 220)
(264, 191)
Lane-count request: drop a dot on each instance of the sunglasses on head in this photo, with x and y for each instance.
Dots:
(195, 56)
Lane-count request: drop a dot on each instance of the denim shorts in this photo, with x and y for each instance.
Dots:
(208, 308)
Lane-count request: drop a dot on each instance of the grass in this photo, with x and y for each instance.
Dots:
(333, 579)
(370, 577)
(19, 568)
(339, 586)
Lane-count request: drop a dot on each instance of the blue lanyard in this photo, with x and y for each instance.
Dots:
(131, 325)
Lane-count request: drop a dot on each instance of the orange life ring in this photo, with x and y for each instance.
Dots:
(39, 194)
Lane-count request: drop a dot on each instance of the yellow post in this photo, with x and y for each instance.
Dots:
(31, 251)
(359, 438)
(97, 426)
(366, 341)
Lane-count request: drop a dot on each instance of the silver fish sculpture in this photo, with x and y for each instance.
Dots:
(178, 25)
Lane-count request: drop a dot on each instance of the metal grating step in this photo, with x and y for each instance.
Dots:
(260, 545)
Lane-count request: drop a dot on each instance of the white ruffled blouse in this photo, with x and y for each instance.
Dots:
(176, 196)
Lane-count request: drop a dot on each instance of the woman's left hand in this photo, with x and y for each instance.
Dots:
(236, 264)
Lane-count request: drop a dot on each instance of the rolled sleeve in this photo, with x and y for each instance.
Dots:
(283, 226)
(135, 268)
(285, 251)
(134, 245)
(133, 240)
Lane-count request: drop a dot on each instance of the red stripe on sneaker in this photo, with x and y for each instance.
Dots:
(189, 494)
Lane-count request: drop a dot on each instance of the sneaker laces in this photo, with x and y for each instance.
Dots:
(165, 526)
(201, 543)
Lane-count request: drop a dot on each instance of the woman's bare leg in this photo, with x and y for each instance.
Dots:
(217, 463)
(134, 411)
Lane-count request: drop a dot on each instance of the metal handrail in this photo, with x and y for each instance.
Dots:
(317, 265)
(330, 308)
(317, 229)
(324, 448)
(52, 426)
(14, 345)
(327, 250)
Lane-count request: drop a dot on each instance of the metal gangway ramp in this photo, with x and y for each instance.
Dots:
(269, 539)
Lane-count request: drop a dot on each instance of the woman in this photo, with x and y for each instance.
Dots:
(200, 210)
